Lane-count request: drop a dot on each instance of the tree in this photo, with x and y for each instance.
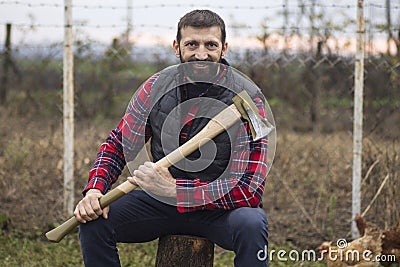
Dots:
(391, 36)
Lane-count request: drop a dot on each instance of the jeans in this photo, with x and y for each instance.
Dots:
(137, 217)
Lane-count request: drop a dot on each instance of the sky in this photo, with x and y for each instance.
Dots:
(154, 21)
(151, 20)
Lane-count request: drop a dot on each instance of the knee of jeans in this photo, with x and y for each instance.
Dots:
(95, 228)
(250, 220)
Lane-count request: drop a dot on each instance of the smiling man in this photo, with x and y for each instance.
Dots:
(215, 193)
(200, 44)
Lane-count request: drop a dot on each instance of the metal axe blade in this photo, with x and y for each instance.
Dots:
(260, 127)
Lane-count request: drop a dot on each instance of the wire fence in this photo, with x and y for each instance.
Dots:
(300, 53)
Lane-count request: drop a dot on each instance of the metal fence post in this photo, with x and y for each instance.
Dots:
(358, 117)
(6, 66)
(68, 110)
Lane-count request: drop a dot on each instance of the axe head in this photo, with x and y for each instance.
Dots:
(260, 127)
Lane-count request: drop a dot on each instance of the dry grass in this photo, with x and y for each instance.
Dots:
(308, 194)
(308, 197)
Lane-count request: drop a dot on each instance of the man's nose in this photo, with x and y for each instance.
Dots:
(201, 53)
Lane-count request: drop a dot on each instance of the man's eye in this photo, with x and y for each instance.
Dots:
(190, 44)
(212, 45)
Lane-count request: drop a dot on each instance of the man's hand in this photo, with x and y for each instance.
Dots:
(88, 209)
(155, 179)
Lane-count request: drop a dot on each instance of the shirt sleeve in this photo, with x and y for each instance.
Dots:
(245, 185)
(123, 143)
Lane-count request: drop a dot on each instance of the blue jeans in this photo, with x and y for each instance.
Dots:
(137, 217)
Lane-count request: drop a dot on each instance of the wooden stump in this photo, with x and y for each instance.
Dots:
(184, 251)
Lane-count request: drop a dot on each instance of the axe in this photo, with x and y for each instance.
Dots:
(242, 107)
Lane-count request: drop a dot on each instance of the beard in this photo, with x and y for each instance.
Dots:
(201, 70)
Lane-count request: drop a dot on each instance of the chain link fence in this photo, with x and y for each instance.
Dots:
(301, 54)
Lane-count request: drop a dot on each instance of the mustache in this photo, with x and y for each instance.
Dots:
(193, 59)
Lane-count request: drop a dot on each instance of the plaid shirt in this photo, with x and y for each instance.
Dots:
(244, 187)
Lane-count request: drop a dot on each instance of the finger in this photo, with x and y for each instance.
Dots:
(106, 210)
(149, 164)
(82, 212)
(91, 215)
(95, 204)
(136, 173)
(87, 211)
(140, 180)
(144, 169)
(78, 215)
(140, 173)
(132, 181)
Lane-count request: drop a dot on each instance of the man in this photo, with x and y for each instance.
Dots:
(180, 200)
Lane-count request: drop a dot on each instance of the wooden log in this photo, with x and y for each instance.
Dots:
(184, 251)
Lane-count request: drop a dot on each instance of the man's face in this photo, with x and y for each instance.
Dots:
(200, 44)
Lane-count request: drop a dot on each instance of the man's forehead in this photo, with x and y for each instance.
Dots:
(190, 32)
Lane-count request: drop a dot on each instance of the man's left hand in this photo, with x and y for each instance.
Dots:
(155, 179)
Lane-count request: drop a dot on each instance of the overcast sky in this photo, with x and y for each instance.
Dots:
(107, 19)
(155, 21)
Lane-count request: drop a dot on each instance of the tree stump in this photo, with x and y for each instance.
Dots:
(184, 251)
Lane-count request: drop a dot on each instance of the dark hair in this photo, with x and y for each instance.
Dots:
(201, 19)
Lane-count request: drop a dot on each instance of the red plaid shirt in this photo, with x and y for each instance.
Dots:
(246, 188)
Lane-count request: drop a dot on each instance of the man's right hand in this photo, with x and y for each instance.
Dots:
(88, 209)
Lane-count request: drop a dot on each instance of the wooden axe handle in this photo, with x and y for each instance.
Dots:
(214, 127)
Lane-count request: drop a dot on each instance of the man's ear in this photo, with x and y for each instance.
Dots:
(224, 50)
(175, 45)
